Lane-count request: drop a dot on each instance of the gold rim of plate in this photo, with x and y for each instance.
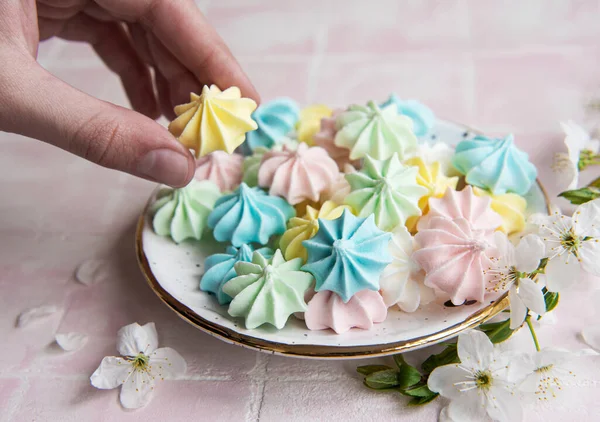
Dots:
(309, 350)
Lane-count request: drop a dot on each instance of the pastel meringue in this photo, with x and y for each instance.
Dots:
(275, 119)
(387, 189)
(327, 310)
(219, 269)
(422, 116)
(463, 204)
(309, 122)
(214, 120)
(297, 175)
(510, 207)
(183, 213)
(377, 132)
(401, 281)
(495, 164)
(340, 189)
(303, 228)
(347, 255)
(225, 170)
(252, 162)
(267, 291)
(455, 258)
(325, 138)
(434, 180)
(249, 215)
(438, 152)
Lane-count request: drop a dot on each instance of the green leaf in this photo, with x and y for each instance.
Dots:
(445, 357)
(419, 390)
(408, 376)
(551, 299)
(419, 401)
(595, 183)
(382, 380)
(581, 196)
(369, 369)
(399, 360)
(497, 332)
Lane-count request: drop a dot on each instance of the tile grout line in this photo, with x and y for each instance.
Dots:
(258, 377)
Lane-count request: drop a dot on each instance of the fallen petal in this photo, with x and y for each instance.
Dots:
(35, 314)
(70, 342)
(92, 271)
(591, 335)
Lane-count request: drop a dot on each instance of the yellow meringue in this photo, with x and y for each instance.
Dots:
(310, 122)
(510, 206)
(214, 120)
(300, 229)
(433, 178)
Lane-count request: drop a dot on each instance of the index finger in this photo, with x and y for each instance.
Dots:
(182, 28)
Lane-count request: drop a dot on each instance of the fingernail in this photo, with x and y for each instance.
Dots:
(165, 166)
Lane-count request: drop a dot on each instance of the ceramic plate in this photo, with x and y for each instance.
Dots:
(174, 271)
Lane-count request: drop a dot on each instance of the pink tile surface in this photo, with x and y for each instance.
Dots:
(500, 66)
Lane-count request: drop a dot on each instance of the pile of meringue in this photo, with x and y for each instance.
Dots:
(335, 216)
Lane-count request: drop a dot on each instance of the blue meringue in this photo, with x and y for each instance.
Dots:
(275, 119)
(249, 215)
(495, 164)
(422, 116)
(347, 255)
(219, 269)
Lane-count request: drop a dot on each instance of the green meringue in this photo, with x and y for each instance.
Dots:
(267, 290)
(374, 131)
(387, 189)
(183, 213)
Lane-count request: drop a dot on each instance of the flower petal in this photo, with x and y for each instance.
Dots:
(529, 253)
(532, 296)
(444, 417)
(111, 373)
(445, 379)
(167, 363)
(135, 338)
(70, 342)
(585, 219)
(137, 391)
(32, 315)
(475, 349)
(591, 335)
(590, 256)
(469, 407)
(561, 272)
(502, 406)
(518, 310)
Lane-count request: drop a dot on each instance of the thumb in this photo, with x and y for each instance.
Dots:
(43, 107)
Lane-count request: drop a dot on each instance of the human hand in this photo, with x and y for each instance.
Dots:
(131, 36)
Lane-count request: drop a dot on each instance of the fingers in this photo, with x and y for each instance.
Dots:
(108, 135)
(113, 46)
(184, 31)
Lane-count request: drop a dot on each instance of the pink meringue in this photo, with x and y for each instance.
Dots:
(297, 174)
(221, 168)
(463, 204)
(455, 258)
(327, 310)
(325, 137)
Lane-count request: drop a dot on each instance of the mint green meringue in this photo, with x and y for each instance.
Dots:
(374, 131)
(267, 291)
(183, 213)
(387, 189)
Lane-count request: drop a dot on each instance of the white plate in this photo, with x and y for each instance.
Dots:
(174, 272)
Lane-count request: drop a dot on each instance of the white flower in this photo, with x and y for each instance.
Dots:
(578, 142)
(572, 245)
(140, 364)
(483, 383)
(508, 273)
(550, 374)
(71, 342)
(439, 152)
(399, 282)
